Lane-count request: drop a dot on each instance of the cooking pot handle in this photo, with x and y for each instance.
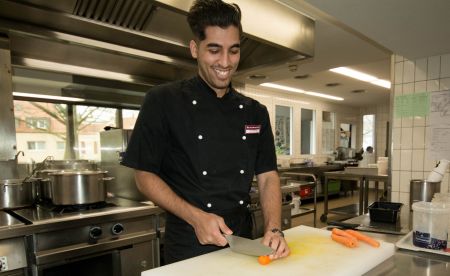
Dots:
(108, 178)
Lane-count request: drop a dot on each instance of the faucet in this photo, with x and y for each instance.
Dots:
(16, 157)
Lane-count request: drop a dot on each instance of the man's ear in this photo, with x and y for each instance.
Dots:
(194, 49)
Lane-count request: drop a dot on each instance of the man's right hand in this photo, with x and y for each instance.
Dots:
(210, 228)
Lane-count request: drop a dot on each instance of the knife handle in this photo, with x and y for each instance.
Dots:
(343, 224)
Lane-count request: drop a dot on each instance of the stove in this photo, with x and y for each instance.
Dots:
(116, 237)
(12, 247)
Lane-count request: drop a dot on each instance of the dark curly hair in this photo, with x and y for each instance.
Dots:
(204, 13)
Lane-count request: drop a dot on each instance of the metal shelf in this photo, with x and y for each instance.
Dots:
(303, 179)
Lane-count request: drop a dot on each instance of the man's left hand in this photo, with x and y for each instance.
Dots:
(277, 242)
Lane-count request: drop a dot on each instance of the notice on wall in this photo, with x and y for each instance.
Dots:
(417, 104)
(440, 125)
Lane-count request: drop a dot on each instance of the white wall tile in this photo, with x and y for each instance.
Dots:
(417, 160)
(398, 89)
(427, 137)
(406, 139)
(418, 138)
(445, 66)
(434, 65)
(421, 69)
(395, 196)
(420, 86)
(398, 73)
(407, 121)
(395, 181)
(408, 88)
(432, 85)
(404, 198)
(405, 160)
(396, 138)
(408, 71)
(405, 178)
(444, 84)
(417, 175)
(396, 160)
(419, 121)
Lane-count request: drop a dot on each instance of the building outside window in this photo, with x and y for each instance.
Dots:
(369, 131)
(283, 127)
(38, 123)
(36, 145)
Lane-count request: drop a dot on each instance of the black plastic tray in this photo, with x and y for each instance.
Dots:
(385, 211)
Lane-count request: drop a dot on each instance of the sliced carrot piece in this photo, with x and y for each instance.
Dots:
(264, 260)
(340, 232)
(363, 238)
(343, 240)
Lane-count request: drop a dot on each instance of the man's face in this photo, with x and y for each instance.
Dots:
(217, 56)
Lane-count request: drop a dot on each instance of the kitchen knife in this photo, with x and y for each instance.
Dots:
(386, 229)
(247, 246)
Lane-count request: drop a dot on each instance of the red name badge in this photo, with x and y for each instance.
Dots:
(252, 129)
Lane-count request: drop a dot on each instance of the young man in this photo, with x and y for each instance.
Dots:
(198, 143)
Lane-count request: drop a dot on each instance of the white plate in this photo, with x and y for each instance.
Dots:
(407, 243)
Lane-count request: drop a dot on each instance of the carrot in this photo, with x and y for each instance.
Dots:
(363, 238)
(264, 260)
(343, 240)
(340, 232)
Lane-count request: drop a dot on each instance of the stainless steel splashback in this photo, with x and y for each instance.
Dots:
(113, 143)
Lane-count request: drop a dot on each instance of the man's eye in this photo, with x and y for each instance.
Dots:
(214, 51)
(235, 51)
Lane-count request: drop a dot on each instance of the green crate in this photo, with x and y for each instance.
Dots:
(334, 186)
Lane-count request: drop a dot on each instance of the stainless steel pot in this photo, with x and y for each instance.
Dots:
(78, 187)
(16, 193)
(73, 164)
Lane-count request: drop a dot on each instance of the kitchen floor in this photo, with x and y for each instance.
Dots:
(333, 202)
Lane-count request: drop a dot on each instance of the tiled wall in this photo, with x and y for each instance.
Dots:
(410, 136)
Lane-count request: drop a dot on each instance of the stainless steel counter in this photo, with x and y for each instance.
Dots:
(406, 262)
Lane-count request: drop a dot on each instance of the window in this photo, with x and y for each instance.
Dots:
(60, 145)
(308, 133)
(283, 129)
(36, 145)
(328, 132)
(368, 131)
(89, 122)
(38, 123)
(40, 126)
(129, 118)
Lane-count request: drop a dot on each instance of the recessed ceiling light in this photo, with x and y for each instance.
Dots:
(332, 84)
(358, 91)
(257, 77)
(361, 76)
(300, 77)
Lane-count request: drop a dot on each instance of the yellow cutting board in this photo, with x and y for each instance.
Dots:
(312, 253)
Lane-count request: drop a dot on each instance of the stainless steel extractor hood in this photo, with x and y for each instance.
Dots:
(143, 39)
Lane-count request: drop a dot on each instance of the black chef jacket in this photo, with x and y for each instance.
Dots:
(207, 149)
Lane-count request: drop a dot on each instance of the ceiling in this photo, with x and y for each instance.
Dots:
(362, 35)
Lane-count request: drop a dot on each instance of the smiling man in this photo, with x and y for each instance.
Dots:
(198, 143)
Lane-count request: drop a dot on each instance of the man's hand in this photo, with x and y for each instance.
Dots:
(277, 242)
(210, 228)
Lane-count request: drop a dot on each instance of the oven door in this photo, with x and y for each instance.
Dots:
(124, 256)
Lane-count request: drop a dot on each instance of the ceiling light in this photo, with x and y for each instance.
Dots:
(382, 83)
(321, 95)
(48, 97)
(300, 91)
(77, 70)
(332, 84)
(361, 76)
(300, 77)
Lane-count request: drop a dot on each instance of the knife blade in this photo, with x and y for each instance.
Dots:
(386, 229)
(247, 246)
